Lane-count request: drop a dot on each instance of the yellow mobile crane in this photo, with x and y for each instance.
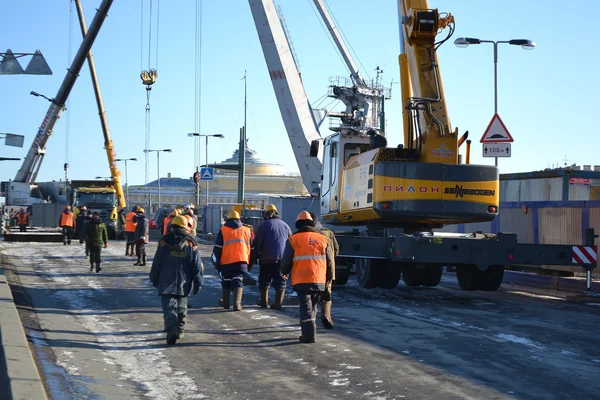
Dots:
(106, 197)
(393, 198)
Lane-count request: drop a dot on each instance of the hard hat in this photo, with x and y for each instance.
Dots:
(140, 210)
(180, 222)
(175, 212)
(233, 215)
(304, 215)
(83, 208)
(190, 220)
(271, 207)
(68, 207)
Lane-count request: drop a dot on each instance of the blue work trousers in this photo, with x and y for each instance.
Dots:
(270, 276)
(174, 312)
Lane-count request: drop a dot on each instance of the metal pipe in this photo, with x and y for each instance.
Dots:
(108, 143)
(206, 167)
(158, 173)
(468, 153)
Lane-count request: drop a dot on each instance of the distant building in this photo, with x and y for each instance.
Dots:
(263, 180)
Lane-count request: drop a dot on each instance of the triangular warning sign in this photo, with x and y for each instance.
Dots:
(9, 64)
(496, 132)
(38, 65)
(207, 174)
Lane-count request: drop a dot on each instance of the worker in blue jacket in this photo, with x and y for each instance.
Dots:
(175, 267)
(271, 236)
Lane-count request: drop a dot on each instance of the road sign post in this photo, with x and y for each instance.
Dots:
(496, 140)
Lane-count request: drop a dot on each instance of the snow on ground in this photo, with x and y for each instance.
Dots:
(133, 363)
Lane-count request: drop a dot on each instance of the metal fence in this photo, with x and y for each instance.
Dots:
(542, 222)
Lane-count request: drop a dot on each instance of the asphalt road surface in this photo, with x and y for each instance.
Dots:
(99, 336)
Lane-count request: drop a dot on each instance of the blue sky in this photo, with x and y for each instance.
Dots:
(544, 94)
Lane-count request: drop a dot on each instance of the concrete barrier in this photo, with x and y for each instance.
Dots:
(18, 372)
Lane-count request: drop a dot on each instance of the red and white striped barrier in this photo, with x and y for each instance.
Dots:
(584, 255)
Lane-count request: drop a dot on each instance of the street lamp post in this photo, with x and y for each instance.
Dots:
(158, 167)
(217, 135)
(526, 44)
(126, 180)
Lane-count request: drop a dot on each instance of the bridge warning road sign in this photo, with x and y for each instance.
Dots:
(206, 174)
(496, 132)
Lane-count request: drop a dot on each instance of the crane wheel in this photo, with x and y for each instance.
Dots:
(391, 274)
(369, 273)
(413, 276)
(341, 276)
(492, 278)
(433, 275)
(469, 277)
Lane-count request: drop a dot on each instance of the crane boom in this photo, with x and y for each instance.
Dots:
(31, 165)
(291, 96)
(108, 143)
(354, 73)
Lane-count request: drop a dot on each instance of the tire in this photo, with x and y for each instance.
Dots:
(433, 276)
(391, 275)
(469, 277)
(413, 276)
(492, 278)
(368, 273)
(341, 276)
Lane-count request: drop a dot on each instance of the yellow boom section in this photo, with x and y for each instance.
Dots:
(425, 93)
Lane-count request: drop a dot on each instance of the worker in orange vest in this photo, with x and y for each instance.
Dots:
(232, 255)
(308, 256)
(168, 219)
(22, 220)
(66, 223)
(130, 225)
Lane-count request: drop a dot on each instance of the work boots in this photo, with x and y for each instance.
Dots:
(138, 262)
(224, 302)
(326, 315)
(143, 264)
(264, 298)
(237, 295)
(279, 295)
(308, 329)
(91, 267)
(98, 269)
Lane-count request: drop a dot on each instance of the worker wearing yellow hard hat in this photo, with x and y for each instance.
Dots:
(232, 257)
(309, 258)
(271, 236)
(177, 273)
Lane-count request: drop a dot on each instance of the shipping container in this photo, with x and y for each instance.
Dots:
(550, 185)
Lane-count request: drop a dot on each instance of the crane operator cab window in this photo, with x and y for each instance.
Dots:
(351, 149)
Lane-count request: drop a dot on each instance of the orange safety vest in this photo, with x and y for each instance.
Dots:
(22, 219)
(66, 219)
(129, 224)
(166, 223)
(236, 245)
(310, 260)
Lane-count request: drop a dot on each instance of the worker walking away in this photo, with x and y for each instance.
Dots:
(96, 237)
(22, 218)
(79, 221)
(66, 223)
(325, 303)
(130, 231)
(168, 219)
(308, 257)
(190, 211)
(231, 257)
(175, 267)
(141, 236)
(271, 237)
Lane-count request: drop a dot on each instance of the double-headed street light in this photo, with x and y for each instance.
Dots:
(126, 181)
(526, 44)
(158, 167)
(217, 135)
